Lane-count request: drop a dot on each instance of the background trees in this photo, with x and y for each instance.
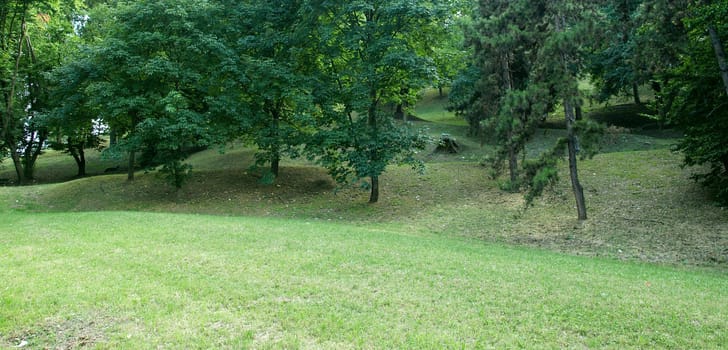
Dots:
(330, 80)
(699, 93)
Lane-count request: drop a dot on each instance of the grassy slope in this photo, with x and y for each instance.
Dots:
(115, 280)
(321, 268)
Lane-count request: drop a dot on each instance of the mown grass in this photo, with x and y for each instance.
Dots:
(144, 280)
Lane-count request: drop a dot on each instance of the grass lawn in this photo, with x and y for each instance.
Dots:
(145, 280)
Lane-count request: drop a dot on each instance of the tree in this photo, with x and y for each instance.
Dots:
(375, 54)
(152, 86)
(70, 120)
(569, 27)
(29, 35)
(272, 39)
(450, 55)
(506, 39)
(529, 57)
(614, 65)
(700, 93)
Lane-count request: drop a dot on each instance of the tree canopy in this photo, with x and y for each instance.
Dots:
(331, 81)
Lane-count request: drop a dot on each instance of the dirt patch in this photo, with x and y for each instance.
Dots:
(76, 332)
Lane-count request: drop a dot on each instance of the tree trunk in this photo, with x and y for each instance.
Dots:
(80, 157)
(10, 100)
(18, 163)
(275, 165)
(374, 154)
(636, 94)
(508, 86)
(579, 113)
(374, 195)
(32, 151)
(720, 55)
(573, 171)
(275, 149)
(130, 171)
(440, 90)
(113, 137)
(399, 112)
(18, 167)
(513, 163)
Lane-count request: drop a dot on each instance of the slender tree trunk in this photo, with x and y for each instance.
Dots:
(720, 55)
(113, 137)
(130, 171)
(275, 157)
(573, 171)
(512, 150)
(569, 108)
(636, 94)
(513, 163)
(374, 155)
(10, 100)
(275, 165)
(9, 115)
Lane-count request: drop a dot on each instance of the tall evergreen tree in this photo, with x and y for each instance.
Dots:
(507, 36)
(530, 56)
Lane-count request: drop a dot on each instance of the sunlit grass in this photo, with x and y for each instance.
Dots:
(115, 280)
(433, 108)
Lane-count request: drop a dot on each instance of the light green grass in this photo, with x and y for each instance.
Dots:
(135, 280)
(433, 108)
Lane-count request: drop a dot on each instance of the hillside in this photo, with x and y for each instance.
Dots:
(642, 205)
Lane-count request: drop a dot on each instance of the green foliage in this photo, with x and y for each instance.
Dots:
(374, 54)
(463, 98)
(275, 74)
(34, 37)
(176, 172)
(590, 135)
(541, 174)
(614, 64)
(151, 87)
(698, 102)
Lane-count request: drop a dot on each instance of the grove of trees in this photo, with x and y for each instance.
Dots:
(329, 80)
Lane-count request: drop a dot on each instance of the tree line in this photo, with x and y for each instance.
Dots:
(328, 80)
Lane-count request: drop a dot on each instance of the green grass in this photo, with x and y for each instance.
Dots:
(432, 108)
(141, 280)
